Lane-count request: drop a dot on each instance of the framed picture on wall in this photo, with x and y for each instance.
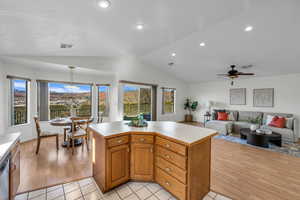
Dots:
(237, 96)
(263, 97)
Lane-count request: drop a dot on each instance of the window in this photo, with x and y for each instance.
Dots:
(69, 99)
(137, 99)
(103, 100)
(168, 96)
(19, 101)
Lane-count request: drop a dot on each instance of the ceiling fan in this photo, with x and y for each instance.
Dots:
(233, 73)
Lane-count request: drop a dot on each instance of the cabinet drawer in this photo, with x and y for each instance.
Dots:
(148, 139)
(171, 169)
(178, 148)
(172, 157)
(118, 141)
(170, 183)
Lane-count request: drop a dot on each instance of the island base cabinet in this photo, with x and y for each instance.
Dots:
(117, 165)
(142, 162)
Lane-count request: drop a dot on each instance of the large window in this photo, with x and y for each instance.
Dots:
(19, 101)
(103, 100)
(136, 100)
(168, 104)
(67, 98)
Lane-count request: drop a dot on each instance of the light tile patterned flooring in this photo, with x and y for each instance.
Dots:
(86, 189)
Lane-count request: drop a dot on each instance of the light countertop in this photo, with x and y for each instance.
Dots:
(182, 132)
(7, 142)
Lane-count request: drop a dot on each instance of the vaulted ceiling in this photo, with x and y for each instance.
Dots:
(37, 28)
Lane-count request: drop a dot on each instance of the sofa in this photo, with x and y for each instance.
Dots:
(241, 119)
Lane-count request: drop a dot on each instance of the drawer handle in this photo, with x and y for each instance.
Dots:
(120, 141)
(167, 183)
(167, 156)
(142, 139)
(167, 145)
(168, 169)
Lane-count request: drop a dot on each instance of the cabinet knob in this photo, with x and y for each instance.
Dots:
(167, 156)
(151, 150)
(168, 169)
(167, 183)
(167, 145)
(120, 141)
(142, 139)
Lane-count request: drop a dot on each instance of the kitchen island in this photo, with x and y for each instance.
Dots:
(174, 155)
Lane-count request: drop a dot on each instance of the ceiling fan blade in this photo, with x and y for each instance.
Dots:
(222, 74)
(245, 74)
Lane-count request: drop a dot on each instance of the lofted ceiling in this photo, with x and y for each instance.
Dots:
(37, 28)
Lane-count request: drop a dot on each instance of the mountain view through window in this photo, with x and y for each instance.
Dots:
(64, 97)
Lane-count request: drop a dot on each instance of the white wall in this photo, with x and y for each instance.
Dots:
(286, 94)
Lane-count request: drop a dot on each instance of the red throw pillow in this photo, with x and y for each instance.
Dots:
(222, 116)
(278, 122)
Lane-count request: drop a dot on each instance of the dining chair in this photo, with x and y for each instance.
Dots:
(79, 130)
(43, 134)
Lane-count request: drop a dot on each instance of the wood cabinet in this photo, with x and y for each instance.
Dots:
(141, 162)
(14, 171)
(182, 169)
(118, 165)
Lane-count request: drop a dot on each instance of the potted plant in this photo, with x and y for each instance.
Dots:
(190, 106)
(255, 123)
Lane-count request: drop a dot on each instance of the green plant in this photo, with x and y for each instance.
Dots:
(255, 120)
(190, 105)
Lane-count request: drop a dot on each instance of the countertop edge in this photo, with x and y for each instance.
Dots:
(157, 133)
(15, 140)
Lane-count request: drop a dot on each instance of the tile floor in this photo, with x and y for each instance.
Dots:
(86, 189)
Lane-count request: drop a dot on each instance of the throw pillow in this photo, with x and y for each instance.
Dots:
(278, 122)
(231, 116)
(223, 116)
(289, 123)
(215, 113)
(269, 119)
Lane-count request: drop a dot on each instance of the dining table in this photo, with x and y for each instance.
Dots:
(67, 122)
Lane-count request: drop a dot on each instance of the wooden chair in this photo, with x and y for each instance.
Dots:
(79, 131)
(42, 134)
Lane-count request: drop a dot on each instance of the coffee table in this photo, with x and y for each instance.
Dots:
(261, 140)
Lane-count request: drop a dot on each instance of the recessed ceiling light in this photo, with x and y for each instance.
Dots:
(173, 54)
(140, 27)
(249, 28)
(202, 44)
(103, 3)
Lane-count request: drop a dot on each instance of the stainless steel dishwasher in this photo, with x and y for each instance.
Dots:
(4, 178)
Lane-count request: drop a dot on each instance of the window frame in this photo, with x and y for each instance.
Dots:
(139, 86)
(163, 100)
(11, 100)
(106, 113)
(69, 83)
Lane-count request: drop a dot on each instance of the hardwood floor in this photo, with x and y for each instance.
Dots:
(238, 171)
(243, 172)
(50, 167)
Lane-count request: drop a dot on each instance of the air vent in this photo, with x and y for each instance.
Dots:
(171, 64)
(66, 46)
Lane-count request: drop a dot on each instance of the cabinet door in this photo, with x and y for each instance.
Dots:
(118, 165)
(142, 162)
(14, 175)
